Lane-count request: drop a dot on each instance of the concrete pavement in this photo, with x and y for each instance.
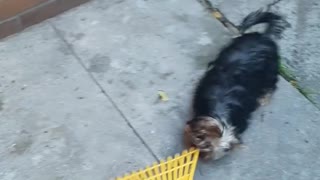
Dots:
(79, 97)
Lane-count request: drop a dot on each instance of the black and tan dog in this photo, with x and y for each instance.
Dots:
(244, 72)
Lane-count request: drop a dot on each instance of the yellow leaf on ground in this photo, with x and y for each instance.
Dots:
(163, 96)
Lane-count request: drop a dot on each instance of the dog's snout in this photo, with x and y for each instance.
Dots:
(226, 149)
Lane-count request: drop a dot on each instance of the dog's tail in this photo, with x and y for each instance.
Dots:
(275, 23)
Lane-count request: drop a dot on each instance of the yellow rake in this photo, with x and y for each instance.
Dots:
(181, 167)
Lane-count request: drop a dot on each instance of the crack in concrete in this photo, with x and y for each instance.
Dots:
(270, 5)
(217, 14)
(80, 61)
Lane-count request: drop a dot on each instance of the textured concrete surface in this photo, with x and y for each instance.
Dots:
(301, 44)
(79, 97)
(55, 122)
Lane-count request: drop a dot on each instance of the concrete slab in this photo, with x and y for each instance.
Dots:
(300, 45)
(135, 48)
(55, 122)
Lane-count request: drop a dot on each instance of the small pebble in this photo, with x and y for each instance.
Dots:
(24, 87)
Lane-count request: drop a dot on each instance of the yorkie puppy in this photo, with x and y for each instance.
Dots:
(244, 72)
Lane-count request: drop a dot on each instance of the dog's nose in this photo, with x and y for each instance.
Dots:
(201, 137)
(226, 149)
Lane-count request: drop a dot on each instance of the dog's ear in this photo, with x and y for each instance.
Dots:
(215, 132)
(187, 128)
(187, 136)
(213, 129)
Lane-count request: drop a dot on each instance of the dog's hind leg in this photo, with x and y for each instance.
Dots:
(266, 98)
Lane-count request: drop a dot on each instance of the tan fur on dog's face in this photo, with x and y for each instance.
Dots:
(204, 133)
(207, 134)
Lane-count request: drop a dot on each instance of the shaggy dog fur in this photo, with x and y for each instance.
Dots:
(244, 72)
